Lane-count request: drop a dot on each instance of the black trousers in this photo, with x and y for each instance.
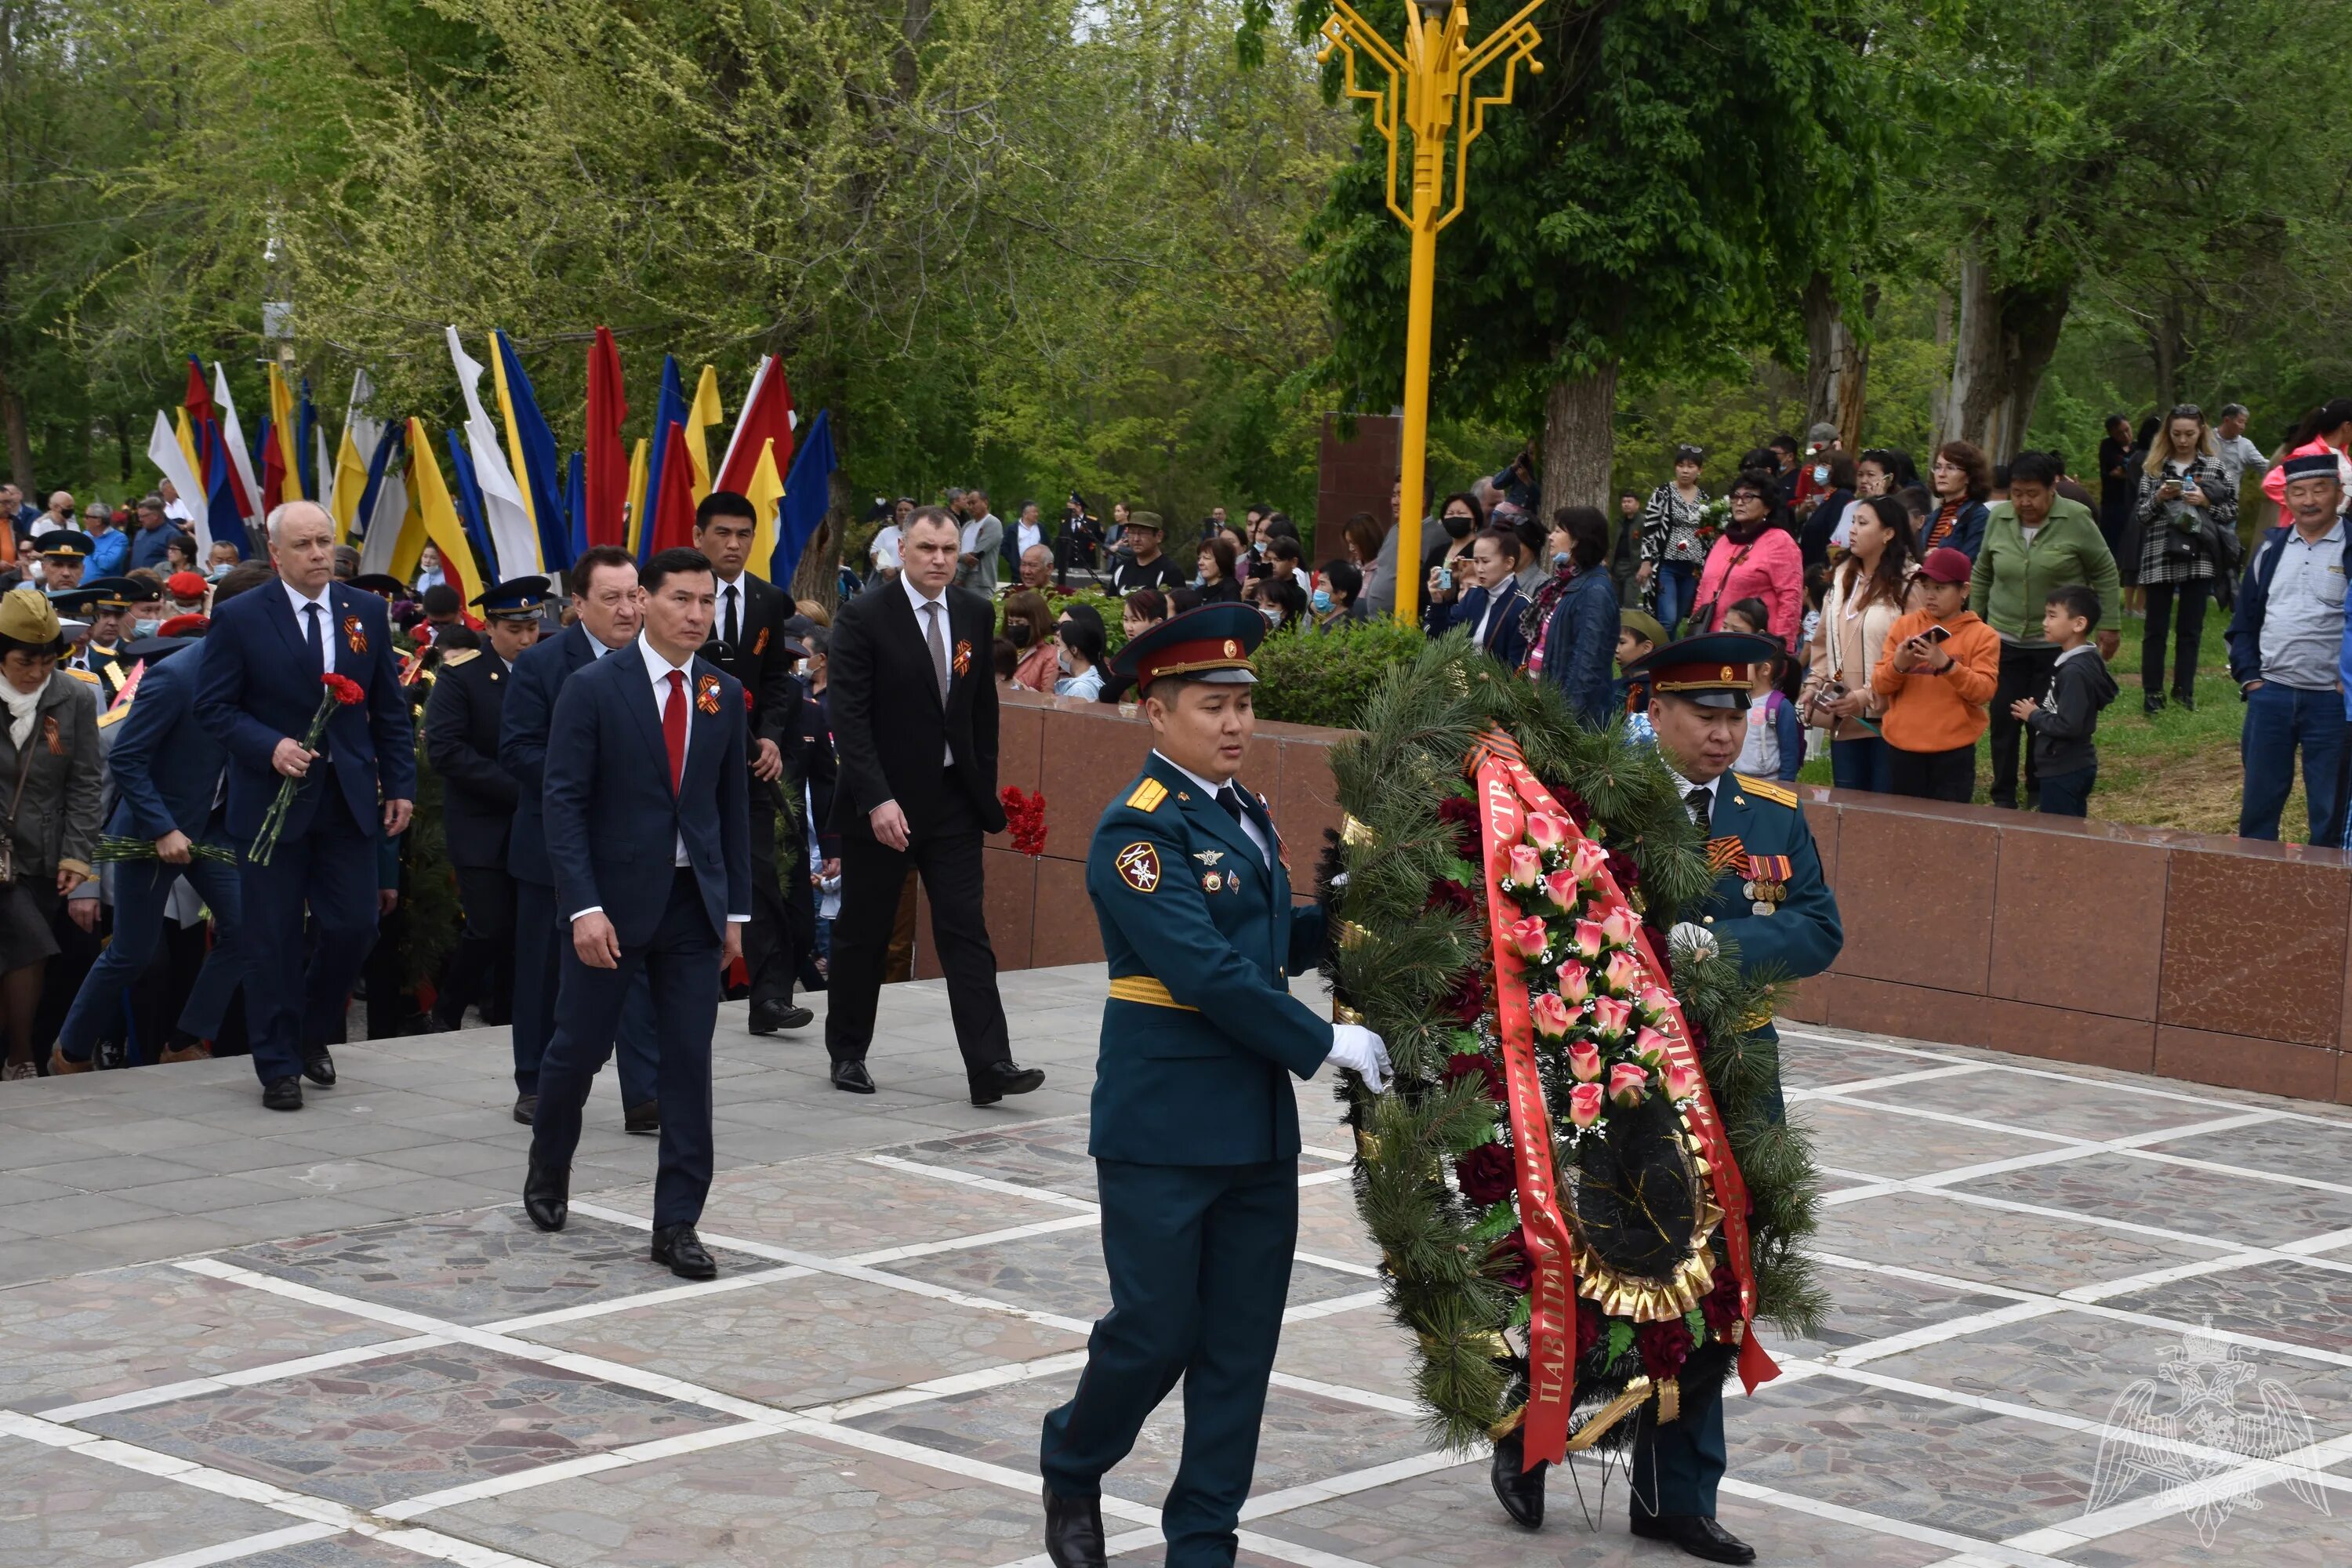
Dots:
(2161, 599)
(947, 857)
(482, 971)
(768, 952)
(2024, 672)
(1933, 776)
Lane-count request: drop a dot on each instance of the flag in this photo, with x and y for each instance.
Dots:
(186, 435)
(322, 461)
(764, 438)
(531, 447)
(575, 502)
(438, 520)
(309, 445)
(355, 464)
(506, 520)
(248, 492)
(673, 500)
(280, 433)
(704, 413)
(808, 493)
(469, 491)
(766, 488)
(384, 504)
(668, 410)
(610, 485)
(640, 476)
(224, 501)
(163, 450)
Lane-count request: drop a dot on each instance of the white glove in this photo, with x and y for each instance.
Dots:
(1696, 937)
(1359, 1050)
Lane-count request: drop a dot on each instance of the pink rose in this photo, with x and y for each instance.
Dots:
(1575, 986)
(1654, 1001)
(1584, 1104)
(1589, 859)
(1584, 1061)
(1619, 927)
(1523, 867)
(1551, 1016)
(1562, 888)
(1650, 1047)
(1545, 831)
(1627, 1082)
(1529, 937)
(1681, 1082)
(1623, 974)
(1610, 1016)
(1590, 942)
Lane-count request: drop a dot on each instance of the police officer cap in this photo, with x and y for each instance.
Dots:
(119, 593)
(1212, 642)
(382, 583)
(149, 649)
(66, 545)
(1712, 670)
(517, 599)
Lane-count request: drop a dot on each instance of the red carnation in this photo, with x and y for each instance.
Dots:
(1462, 812)
(1592, 1327)
(1721, 1306)
(1024, 818)
(1572, 803)
(747, 700)
(1518, 1274)
(1462, 1064)
(1623, 870)
(1468, 999)
(1487, 1175)
(347, 691)
(1451, 896)
(1663, 1346)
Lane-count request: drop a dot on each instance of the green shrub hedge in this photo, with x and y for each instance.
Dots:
(1310, 676)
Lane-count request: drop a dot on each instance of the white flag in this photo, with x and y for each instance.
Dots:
(233, 436)
(163, 452)
(513, 540)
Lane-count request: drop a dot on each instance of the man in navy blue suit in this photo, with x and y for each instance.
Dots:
(647, 811)
(258, 686)
(167, 778)
(604, 597)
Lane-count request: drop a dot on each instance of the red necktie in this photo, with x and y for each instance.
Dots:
(674, 729)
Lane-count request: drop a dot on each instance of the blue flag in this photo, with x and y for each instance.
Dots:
(808, 492)
(306, 445)
(225, 518)
(669, 411)
(386, 461)
(469, 507)
(575, 503)
(542, 475)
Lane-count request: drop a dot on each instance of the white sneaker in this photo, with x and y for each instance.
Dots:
(16, 1070)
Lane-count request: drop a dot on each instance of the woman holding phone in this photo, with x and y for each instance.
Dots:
(1865, 598)
(2181, 492)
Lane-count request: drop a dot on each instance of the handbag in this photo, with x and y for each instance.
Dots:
(8, 837)
(1704, 617)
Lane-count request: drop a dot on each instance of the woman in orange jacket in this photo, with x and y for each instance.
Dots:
(1937, 675)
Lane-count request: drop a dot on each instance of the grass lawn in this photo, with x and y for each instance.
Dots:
(2175, 770)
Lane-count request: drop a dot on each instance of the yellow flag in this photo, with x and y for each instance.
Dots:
(514, 435)
(438, 515)
(700, 414)
(350, 484)
(282, 430)
(640, 474)
(187, 436)
(766, 495)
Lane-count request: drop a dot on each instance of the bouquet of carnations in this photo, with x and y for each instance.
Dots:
(341, 691)
(110, 847)
(1024, 818)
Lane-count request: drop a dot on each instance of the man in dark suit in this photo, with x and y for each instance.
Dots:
(913, 700)
(647, 811)
(477, 798)
(748, 641)
(257, 688)
(166, 772)
(1490, 612)
(604, 597)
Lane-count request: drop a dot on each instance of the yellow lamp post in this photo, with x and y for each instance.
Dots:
(1425, 92)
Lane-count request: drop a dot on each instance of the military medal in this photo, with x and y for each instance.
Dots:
(1768, 882)
(1213, 881)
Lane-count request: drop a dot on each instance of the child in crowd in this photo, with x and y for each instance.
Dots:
(1638, 634)
(1937, 673)
(1775, 744)
(2064, 720)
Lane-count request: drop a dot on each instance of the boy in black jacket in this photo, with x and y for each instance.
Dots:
(2068, 715)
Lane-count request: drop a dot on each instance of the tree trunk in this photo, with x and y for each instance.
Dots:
(2002, 344)
(1836, 363)
(20, 440)
(2167, 348)
(122, 440)
(1580, 442)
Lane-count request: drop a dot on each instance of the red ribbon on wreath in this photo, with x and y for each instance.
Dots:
(1024, 818)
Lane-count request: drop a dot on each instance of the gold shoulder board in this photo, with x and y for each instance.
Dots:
(116, 712)
(1779, 795)
(458, 656)
(1148, 795)
(83, 676)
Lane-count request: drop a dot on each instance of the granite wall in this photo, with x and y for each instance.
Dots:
(2183, 954)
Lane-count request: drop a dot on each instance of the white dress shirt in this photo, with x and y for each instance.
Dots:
(1249, 822)
(742, 605)
(326, 619)
(923, 636)
(1683, 787)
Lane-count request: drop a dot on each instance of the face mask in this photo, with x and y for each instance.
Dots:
(1821, 473)
(217, 573)
(1457, 527)
(1559, 559)
(1199, 578)
(1273, 614)
(143, 629)
(1062, 661)
(1017, 633)
(1322, 601)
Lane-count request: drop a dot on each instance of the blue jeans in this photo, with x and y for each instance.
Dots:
(1677, 586)
(2279, 719)
(2068, 793)
(1859, 763)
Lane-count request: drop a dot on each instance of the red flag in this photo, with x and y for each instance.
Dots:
(607, 466)
(766, 415)
(273, 467)
(673, 510)
(199, 399)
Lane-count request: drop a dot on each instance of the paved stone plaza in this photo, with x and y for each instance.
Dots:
(331, 1340)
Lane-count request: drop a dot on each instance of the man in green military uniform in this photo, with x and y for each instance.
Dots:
(1195, 1128)
(1770, 903)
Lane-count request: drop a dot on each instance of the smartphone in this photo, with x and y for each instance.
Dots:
(1934, 634)
(1445, 581)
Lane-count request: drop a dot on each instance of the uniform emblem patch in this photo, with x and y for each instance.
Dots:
(1139, 866)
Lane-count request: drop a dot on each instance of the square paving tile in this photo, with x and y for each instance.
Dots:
(1856, 1136)
(1901, 1456)
(2319, 1149)
(839, 1206)
(1051, 1155)
(1305, 1438)
(478, 1268)
(2072, 1108)
(1967, 1241)
(60, 1508)
(380, 1431)
(346, 1550)
(1366, 1349)
(1808, 1063)
(810, 1341)
(1865, 1305)
(2274, 1526)
(1062, 1272)
(2177, 1197)
(91, 1336)
(763, 1503)
(1329, 1225)
(1450, 1520)
(2296, 1302)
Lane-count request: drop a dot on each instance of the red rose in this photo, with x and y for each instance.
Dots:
(1592, 1327)
(348, 693)
(1451, 896)
(1487, 1175)
(1663, 1346)
(1623, 871)
(1721, 1306)
(1518, 1270)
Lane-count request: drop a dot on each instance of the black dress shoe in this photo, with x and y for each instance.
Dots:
(2153, 702)
(646, 1118)
(767, 1017)
(1520, 1492)
(1000, 1078)
(320, 1069)
(2188, 702)
(283, 1094)
(1074, 1532)
(526, 1108)
(1697, 1534)
(853, 1076)
(678, 1246)
(547, 1195)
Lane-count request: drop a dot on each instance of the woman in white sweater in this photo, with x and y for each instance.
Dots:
(1866, 596)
